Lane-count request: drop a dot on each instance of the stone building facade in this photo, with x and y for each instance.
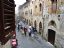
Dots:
(47, 17)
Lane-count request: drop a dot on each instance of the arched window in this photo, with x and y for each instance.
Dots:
(40, 28)
(35, 24)
(53, 1)
(58, 17)
(52, 23)
(31, 11)
(40, 6)
(54, 6)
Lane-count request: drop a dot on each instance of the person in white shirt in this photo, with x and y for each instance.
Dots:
(29, 30)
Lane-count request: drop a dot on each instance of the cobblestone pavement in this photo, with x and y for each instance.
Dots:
(30, 42)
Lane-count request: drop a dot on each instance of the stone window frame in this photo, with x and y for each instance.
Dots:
(40, 5)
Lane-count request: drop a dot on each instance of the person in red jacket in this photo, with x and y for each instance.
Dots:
(25, 30)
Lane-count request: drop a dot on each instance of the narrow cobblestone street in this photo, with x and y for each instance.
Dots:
(31, 23)
(30, 42)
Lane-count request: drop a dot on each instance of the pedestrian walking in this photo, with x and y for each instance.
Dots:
(25, 30)
(22, 30)
(32, 32)
(18, 27)
(17, 42)
(29, 31)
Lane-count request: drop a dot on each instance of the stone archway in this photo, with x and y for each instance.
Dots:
(51, 36)
(35, 25)
(40, 27)
(51, 32)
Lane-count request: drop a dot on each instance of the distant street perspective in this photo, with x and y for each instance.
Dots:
(31, 23)
(31, 41)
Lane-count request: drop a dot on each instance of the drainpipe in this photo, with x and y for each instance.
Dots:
(42, 18)
(43, 27)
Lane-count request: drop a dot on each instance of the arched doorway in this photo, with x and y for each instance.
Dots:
(35, 24)
(51, 36)
(40, 27)
(51, 32)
